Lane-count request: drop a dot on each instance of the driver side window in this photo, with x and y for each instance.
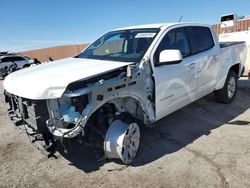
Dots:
(174, 39)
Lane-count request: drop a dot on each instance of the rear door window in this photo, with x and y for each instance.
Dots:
(17, 58)
(201, 39)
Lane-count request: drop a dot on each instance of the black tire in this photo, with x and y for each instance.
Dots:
(12, 68)
(4, 72)
(227, 94)
(26, 65)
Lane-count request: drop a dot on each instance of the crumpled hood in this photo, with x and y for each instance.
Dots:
(49, 80)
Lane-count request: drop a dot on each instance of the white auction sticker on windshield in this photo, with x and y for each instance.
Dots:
(145, 35)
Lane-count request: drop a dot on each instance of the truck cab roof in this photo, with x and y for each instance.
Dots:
(161, 25)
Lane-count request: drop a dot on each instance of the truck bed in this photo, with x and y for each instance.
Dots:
(226, 44)
(234, 52)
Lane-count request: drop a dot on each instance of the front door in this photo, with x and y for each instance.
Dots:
(175, 83)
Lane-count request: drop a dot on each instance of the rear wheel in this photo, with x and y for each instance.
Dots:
(227, 94)
(12, 68)
(26, 65)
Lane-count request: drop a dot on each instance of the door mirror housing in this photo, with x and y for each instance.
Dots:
(170, 57)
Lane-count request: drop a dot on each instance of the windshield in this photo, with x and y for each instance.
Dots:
(124, 45)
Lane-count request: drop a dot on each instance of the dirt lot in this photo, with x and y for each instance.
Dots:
(202, 145)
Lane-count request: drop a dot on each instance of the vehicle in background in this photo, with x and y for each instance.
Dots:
(129, 76)
(10, 63)
(6, 53)
(229, 23)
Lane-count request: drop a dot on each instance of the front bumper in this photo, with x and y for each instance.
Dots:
(30, 118)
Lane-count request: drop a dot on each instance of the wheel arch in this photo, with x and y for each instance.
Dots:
(236, 68)
(131, 104)
(107, 137)
(26, 65)
(222, 78)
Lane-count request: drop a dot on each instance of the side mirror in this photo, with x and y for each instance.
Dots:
(170, 57)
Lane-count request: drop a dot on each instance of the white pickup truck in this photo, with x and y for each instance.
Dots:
(128, 77)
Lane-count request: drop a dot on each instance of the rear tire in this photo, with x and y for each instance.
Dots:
(26, 65)
(12, 68)
(227, 94)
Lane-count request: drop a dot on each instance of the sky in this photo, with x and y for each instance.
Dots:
(34, 24)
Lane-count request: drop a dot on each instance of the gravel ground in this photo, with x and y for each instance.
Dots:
(202, 145)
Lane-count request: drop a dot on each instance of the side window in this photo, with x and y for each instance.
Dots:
(201, 38)
(17, 58)
(5, 59)
(174, 39)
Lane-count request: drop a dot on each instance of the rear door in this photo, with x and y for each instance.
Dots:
(206, 55)
(20, 61)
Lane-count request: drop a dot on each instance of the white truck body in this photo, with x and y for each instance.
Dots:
(54, 84)
(239, 37)
(160, 81)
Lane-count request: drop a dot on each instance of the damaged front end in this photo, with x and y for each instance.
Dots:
(94, 110)
(47, 122)
(30, 118)
(67, 116)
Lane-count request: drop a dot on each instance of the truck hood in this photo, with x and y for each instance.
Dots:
(49, 80)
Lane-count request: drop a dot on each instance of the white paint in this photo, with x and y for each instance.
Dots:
(146, 26)
(239, 37)
(177, 85)
(227, 24)
(235, 37)
(49, 80)
(170, 56)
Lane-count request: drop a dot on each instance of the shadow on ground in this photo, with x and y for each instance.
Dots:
(173, 132)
